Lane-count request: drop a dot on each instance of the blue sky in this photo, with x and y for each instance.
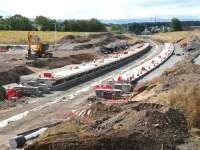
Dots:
(102, 9)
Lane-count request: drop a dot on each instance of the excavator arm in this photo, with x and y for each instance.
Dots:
(30, 38)
(39, 48)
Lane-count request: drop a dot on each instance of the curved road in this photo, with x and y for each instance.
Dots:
(169, 63)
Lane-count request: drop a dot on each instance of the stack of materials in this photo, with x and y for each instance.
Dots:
(113, 89)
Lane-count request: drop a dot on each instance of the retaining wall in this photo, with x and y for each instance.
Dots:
(66, 83)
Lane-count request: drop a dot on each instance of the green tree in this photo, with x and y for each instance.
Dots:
(44, 23)
(175, 25)
(136, 28)
(2, 23)
(92, 25)
(18, 22)
(96, 26)
(116, 28)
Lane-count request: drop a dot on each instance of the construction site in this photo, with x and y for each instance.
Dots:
(100, 91)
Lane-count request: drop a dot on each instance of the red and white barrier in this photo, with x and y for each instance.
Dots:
(47, 74)
(146, 67)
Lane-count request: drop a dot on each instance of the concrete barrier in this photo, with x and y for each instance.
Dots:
(147, 67)
(98, 71)
(65, 78)
(143, 69)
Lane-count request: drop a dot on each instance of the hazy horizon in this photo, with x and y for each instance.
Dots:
(102, 9)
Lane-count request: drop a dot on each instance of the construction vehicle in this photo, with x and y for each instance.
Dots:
(115, 46)
(40, 50)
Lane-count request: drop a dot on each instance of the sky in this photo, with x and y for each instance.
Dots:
(101, 9)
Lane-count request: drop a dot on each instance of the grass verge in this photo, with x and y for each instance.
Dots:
(176, 36)
(187, 98)
(20, 37)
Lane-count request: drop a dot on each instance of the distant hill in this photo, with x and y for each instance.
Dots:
(126, 21)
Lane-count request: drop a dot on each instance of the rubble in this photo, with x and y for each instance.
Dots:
(93, 41)
(61, 62)
(12, 74)
(120, 127)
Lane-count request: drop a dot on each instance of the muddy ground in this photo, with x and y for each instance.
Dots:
(119, 127)
(13, 74)
(63, 61)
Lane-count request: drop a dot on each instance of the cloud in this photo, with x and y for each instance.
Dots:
(101, 9)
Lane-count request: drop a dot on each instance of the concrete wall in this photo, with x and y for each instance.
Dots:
(66, 83)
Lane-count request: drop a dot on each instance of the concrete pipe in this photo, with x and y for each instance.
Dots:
(20, 140)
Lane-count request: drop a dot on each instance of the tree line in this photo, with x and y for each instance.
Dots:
(42, 23)
(174, 25)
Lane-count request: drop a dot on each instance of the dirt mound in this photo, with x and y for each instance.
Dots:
(178, 87)
(182, 72)
(81, 39)
(83, 46)
(13, 74)
(92, 41)
(73, 39)
(124, 128)
(99, 35)
(63, 61)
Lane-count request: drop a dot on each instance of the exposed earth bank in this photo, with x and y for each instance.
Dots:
(119, 127)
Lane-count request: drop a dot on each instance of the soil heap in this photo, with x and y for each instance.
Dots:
(128, 126)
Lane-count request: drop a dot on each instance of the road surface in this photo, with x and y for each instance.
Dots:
(169, 63)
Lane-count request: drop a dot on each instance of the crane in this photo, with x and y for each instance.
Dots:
(40, 49)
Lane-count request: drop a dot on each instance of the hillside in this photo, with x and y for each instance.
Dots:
(177, 37)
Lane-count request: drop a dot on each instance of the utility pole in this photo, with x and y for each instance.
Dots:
(55, 30)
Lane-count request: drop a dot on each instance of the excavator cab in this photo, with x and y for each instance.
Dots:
(40, 50)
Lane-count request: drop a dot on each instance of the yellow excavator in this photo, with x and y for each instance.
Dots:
(40, 50)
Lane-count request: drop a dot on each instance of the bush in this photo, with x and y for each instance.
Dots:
(175, 25)
(187, 98)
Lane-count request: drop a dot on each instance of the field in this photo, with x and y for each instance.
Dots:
(20, 37)
(176, 36)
